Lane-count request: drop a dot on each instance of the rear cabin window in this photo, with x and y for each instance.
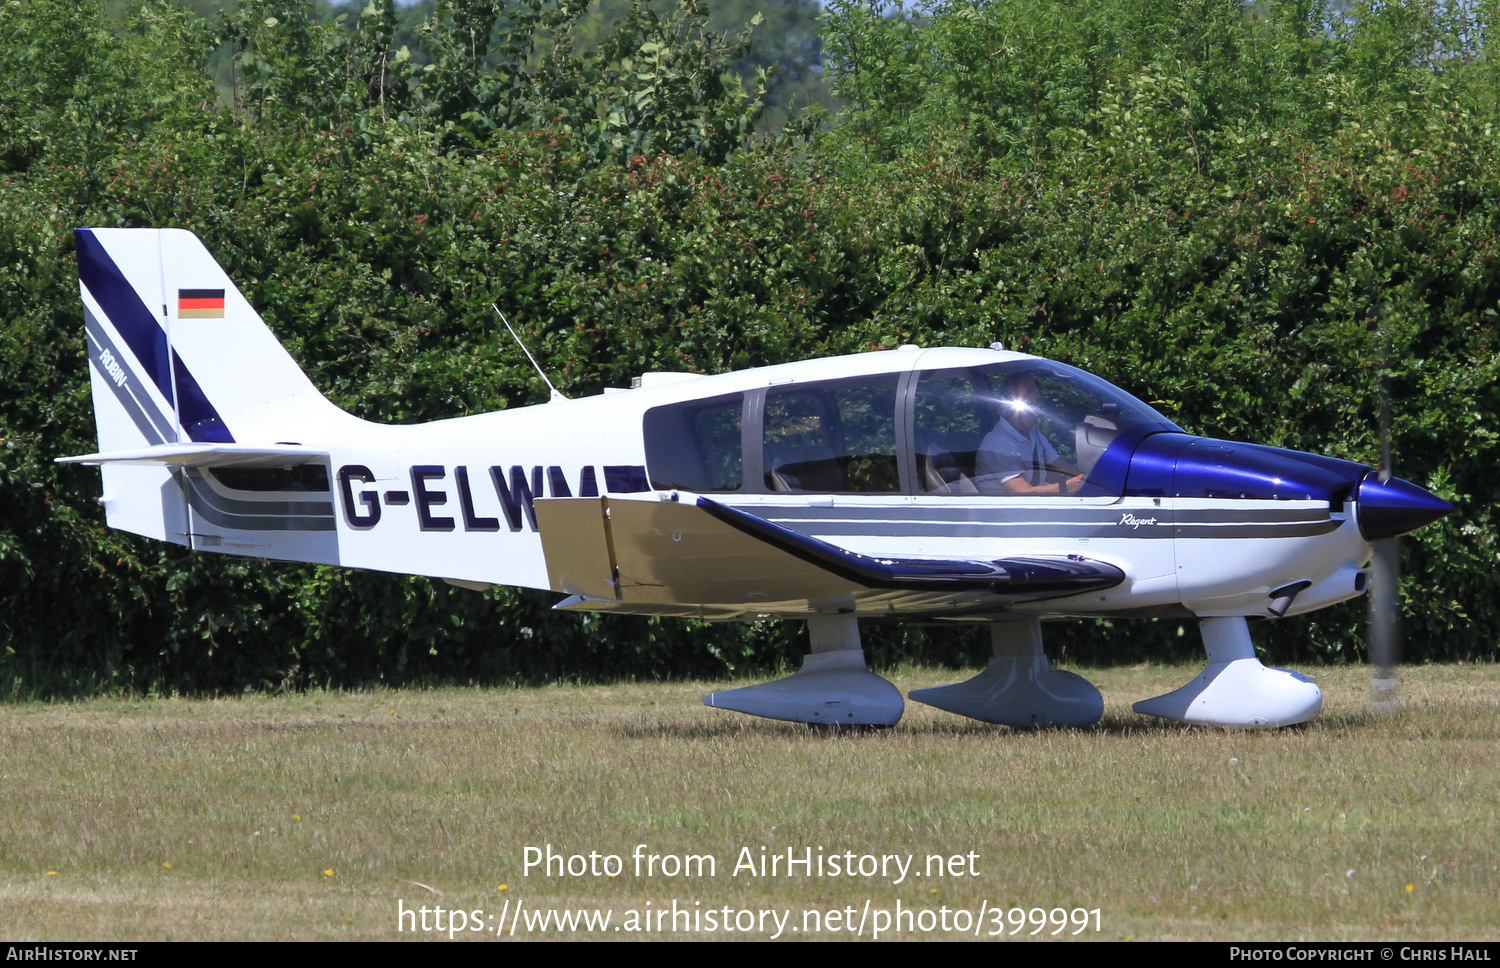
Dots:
(696, 446)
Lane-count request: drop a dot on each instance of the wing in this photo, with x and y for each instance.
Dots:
(710, 559)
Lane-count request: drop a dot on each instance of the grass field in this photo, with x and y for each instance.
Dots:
(321, 816)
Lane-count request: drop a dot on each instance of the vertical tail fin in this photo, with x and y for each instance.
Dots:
(203, 417)
(202, 366)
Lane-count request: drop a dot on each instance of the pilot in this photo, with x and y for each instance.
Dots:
(1015, 458)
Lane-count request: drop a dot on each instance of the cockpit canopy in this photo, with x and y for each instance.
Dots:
(921, 432)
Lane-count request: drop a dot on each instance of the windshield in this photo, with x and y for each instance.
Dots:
(1024, 427)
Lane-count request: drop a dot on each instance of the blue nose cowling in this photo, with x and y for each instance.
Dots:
(1393, 506)
(1175, 464)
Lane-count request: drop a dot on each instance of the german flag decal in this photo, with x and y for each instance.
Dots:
(200, 304)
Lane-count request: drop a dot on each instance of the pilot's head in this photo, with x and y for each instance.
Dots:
(1021, 401)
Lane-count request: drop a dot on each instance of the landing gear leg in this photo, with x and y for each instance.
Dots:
(832, 688)
(1235, 689)
(1018, 687)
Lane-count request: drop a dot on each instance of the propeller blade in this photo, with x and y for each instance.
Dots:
(1385, 624)
(1385, 560)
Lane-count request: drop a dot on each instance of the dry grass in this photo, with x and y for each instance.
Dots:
(309, 816)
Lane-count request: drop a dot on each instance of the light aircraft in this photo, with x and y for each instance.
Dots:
(872, 486)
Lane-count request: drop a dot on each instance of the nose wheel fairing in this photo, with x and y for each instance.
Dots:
(1234, 689)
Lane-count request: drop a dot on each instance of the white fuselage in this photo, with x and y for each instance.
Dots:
(453, 499)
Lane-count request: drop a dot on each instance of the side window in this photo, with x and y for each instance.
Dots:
(832, 437)
(952, 413)
(1029, 451)
(696, 446)
(798, 452)
(867, 417)
(1022, 427)
(993, 430)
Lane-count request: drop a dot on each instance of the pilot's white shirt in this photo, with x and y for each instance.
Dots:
(1006, 453)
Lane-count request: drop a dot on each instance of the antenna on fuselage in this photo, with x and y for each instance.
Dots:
(556, 394)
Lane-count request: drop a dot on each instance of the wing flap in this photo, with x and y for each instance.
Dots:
(663, 553)
(576, 544)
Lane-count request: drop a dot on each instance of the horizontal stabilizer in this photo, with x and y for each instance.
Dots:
(206, 455)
